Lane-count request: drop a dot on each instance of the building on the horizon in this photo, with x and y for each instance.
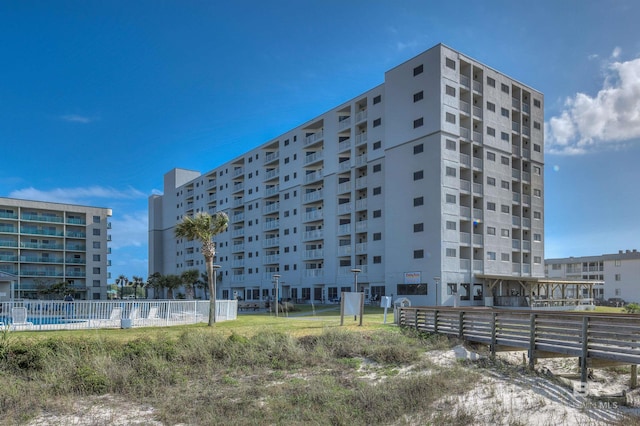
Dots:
(430, 185)
(44, 243)
(620, 273)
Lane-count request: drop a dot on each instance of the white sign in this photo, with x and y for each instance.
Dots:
(385, 302)
(412, 278)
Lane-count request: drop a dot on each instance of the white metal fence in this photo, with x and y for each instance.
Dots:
(76, 315)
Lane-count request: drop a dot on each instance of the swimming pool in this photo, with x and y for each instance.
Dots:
(45, 320)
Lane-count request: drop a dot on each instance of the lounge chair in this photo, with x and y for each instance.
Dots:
(112, 321)
(19, 318)
(151, 319)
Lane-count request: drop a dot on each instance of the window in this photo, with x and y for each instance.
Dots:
(504, 112)
(536, 125)
(377, 190)
(537, 170)
(504, 136)
(450, 63)
(417, 149)
(504, 160)
(96, 219)
(505, 184)
(537, 215)
(418, 201)
(537, 259)
(96, 271)
(451, 145)
(491, 255)
(491, 82)
(537, 193)
(450, 91)
(411, 289)
(505, 257)
(536, 103)
(450, 118)
(505, 209)
(377, 168)
(418, 254)
(377, 236)
(491, 230)
(491, 131)
(452, 288)
(418, 227)
(450, 171)
(451, 226)
(418, 70)
(418, 175)
(377, 145)
(418, 123)
(491, 156)
(418, 96)
(536, 147)
(491, 181)
(377, 122)
(450, 198)
(537, 237)
(96, 258)
(96, 232)
(504, 232)
(377, 259)
(491, 206)
(504, 88)
(96, 244)
(491, 106)
(377, 99)
(450, 252)
(377, 213)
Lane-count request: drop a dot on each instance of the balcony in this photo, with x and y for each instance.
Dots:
(237, 248)
(344, 165)
(41, 218)
(313, 158)
(361, 160)
(313, 177)
(313, 215)
(316, 234)
(313, 138)
(345, 208)
(237, 263)
(465, 107)
(344, 145)
(361, 138)
(344, 122)
(238, 202)
(362, 115)
(271, 224)
(477, 86)
(344, 187)
(344, 250)
(361, 226)
(361, 204)
(271, 208)
(8, 243)
(465, 133)
(465, 81)
(237, 233)
(344, 229)
(272, 174)
(238, 217)
(5, 215)
(477, 137)
(237, 278)
(465, 160)
(313, 254)
(238, 187)
(311, 273)
(361, 182)
(361, 248)
(39, 231)
(477, 112)
(270, 242)
(271, 259)
(76, 234)
(271, 156)
(41, 259)
(238, 171)
(272, 190)
(310, 197)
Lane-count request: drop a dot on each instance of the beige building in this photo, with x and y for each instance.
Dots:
(424, 184)
(44, 243)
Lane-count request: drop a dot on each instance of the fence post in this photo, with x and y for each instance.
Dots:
(633, 382)
(532, 341)
(585, 348)
(493, 334)
(461, 325)
(435, 321)
(416, 312)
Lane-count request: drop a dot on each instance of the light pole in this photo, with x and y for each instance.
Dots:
(122, 281)
(276, 277)
(215, 278)
(437, 281)
(355, 271)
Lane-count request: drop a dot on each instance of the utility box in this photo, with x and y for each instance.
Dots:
(126, 323)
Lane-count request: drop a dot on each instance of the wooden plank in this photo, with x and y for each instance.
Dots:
(627, 359)
(611, 342)
(615, 350)
(559, 349)
(559, 337)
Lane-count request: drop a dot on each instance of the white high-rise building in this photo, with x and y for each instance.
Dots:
(430, 184)
(42, 244)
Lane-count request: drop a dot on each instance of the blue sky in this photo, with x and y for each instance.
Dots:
(99, 99)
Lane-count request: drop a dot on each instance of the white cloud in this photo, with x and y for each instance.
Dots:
(606, 121)
(75, 118)
(129, 230)
(79, 195)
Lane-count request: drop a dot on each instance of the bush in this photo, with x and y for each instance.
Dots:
(632, 308)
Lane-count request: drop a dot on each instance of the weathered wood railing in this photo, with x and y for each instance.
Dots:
(596, 339)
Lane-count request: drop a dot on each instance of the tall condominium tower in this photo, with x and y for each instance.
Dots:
(428, 186)
(42, 244)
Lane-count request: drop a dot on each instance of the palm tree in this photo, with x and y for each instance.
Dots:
(204, 227)
(203, 283)
(153, 282)
(171, 282)
(189, 279)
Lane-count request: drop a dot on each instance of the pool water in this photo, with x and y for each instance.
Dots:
(45, 320)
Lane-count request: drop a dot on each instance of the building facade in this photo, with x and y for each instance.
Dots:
(42, 244)
(424, 184)
(620, 273)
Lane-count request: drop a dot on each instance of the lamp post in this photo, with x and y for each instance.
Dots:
(276, 277)
(355, 271)
(122, 281)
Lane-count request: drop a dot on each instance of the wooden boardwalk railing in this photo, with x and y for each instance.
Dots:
(596, 339)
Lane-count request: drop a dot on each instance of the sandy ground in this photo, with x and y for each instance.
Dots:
(549, 398)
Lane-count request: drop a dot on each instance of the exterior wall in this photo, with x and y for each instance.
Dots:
(417, 183)
(45, 243)
(620, 272)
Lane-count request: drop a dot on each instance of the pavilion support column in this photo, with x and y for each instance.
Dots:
(633, 382)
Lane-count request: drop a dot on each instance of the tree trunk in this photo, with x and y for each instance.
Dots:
(212, 291)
